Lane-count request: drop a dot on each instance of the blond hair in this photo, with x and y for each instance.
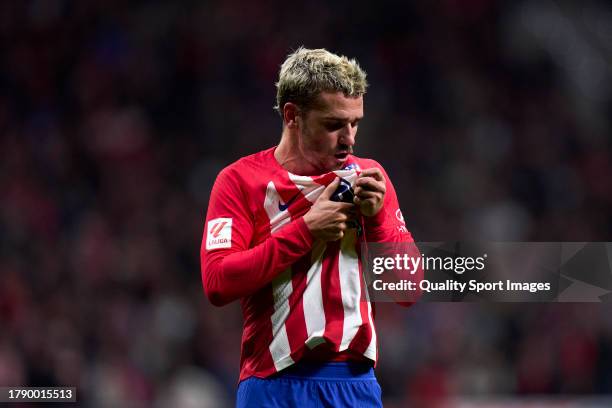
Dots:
(306, 73)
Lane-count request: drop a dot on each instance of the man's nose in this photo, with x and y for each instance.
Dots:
(348, 134)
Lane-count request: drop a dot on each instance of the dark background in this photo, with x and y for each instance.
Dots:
(492, 118)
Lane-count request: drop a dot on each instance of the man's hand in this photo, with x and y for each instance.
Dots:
(327, 219)
(370, 191)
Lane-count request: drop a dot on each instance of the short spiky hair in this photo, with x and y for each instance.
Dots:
(306, 73)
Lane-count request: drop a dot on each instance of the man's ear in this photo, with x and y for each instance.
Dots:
(290, 115)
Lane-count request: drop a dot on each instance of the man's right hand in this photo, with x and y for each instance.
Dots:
(327, 219)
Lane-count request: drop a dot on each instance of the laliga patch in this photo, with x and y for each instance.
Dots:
(219, 233)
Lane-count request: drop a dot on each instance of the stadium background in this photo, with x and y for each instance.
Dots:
(493, 119)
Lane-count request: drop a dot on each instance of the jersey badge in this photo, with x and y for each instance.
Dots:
(219, 233)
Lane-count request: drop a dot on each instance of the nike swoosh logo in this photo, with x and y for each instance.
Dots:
(283, 207)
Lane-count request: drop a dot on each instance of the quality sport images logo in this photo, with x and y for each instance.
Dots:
(219, 233)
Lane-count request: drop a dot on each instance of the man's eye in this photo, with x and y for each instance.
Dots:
(334, 126)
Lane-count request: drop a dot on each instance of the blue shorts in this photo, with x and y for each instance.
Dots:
(304, 385)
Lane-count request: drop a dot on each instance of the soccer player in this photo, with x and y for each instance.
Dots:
(283, 234)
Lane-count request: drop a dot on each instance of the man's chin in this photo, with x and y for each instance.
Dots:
(334, 163)
(340, 160)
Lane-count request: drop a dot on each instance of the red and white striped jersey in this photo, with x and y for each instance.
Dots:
(297, 293)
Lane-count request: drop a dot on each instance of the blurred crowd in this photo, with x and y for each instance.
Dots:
(492, 118)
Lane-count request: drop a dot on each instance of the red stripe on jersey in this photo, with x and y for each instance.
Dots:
(257, 335)
(325, 179)
(292, 196)
(332, 299)
(362, 338)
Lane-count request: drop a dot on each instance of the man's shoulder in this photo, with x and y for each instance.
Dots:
(365, 163)
(249, 167)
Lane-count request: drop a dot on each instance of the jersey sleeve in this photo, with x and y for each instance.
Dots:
(230, 268)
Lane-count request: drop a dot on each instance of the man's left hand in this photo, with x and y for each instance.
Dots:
(370, 191)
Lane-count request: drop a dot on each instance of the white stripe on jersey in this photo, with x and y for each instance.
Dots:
(314, 315)
(280, 347)
(281, 287)
(350, 286)
(348, 175)
(371, 350)
(277, 217)
(306, 186)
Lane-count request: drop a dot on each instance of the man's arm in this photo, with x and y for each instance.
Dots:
(385, 223)
(230, 269)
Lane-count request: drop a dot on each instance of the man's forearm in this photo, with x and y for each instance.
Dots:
(228, 276)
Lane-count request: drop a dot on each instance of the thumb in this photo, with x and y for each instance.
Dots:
(329, 190)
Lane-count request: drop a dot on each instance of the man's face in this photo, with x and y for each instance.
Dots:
(327, 132)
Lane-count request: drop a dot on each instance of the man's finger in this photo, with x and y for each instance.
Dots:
(371, 184)
(374, 172)
(329, 190)
(345, 208)
(365, 194)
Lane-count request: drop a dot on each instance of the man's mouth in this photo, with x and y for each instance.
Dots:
(341, 155)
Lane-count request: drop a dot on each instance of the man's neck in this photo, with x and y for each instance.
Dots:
(288, 155)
